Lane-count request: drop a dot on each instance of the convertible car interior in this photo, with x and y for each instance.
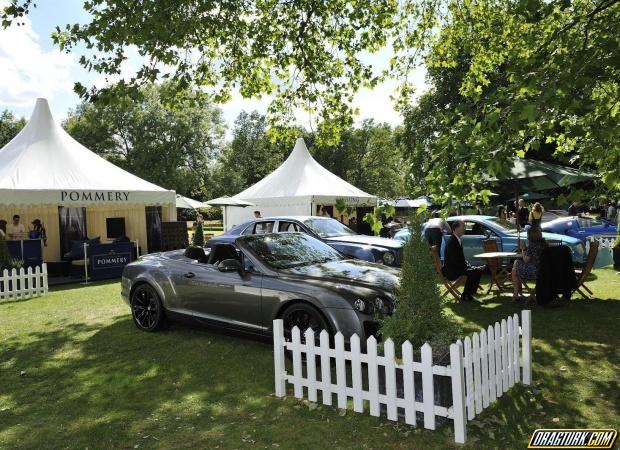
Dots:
(212, 256)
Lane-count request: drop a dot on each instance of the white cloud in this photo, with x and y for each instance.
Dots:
(28, 71)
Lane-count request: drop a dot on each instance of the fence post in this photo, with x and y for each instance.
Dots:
(45, 286)
(469, 379)
(298, 388)
(484, 367)
(278, 357)
(499, 379)
(458, 392)
(326, 368)
(491, 352)
(341, 374)
(509, 351)
(408, 382)
(390, 379)
(373, 377)
(356, 374)
(477, 375)
(310, 364)
(526, 327)
(516, 365)
(428, 394)
(505, 385)
(31, 291)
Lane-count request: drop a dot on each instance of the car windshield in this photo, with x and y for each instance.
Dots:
(288, 250)
(507, 226)
(327, 228)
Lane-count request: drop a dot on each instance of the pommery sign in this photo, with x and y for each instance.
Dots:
(94, 196)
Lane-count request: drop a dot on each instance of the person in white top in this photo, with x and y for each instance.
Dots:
(435, 228)
(15, 231)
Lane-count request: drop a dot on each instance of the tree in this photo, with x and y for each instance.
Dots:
(198, 240)
(6, 261)
(367, 157)
(170, 145)
(510, 79)
(249, 157)
(418, 312)
(307, 54)
(10, 126)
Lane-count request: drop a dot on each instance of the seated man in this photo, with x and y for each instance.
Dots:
(455, 264)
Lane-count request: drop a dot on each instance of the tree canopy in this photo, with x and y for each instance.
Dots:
(10, 126)
(510, 78)
(506, 76)
(169, 146)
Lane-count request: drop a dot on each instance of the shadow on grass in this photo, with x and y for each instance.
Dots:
(575, 365)
(84, 385)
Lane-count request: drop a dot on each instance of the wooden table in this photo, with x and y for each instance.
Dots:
(500, 255)
(499, 275)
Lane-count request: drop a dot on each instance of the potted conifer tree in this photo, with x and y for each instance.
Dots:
(418, 314)
(198, 239)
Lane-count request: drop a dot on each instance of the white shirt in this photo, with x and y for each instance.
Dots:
(15, 232)
(458, 239)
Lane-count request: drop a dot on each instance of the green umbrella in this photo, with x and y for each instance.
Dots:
(527, 175)
(532, 196)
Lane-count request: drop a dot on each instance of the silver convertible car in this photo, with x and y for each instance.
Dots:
(247, 285)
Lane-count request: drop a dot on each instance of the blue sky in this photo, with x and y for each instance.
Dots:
(31, 66)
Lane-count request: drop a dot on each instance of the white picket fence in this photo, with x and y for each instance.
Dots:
(18, 284)
(481, 368)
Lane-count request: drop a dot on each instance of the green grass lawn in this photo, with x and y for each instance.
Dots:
(76, 373)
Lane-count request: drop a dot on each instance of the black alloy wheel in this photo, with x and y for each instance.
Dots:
(146, 309)
(304, 316)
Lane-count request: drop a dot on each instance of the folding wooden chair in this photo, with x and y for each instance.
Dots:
(452, 287)
(584, 273)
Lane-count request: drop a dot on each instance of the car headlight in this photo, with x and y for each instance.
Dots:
(388, 258)
(364, 306)
(360, 305)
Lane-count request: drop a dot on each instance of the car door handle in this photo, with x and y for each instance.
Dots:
(189, 275)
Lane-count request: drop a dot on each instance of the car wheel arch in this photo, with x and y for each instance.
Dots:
(290, 303)
(158, 291)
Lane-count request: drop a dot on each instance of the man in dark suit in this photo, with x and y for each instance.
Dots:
(455, 264)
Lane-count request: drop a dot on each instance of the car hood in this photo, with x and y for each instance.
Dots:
(349, 271)
(367, 240)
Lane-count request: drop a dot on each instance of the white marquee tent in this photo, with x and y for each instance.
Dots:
(43, 168)
(297, 187)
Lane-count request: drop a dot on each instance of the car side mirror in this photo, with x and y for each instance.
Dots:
(229, 265)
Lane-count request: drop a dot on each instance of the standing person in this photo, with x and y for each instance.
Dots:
(435, 228)
(611, 211)
(536, 215)
(257, 215)
(572, 209)
(3, 228)
(523, 214)
(38, 231)
(15, 231)
(527, 268)
(501, 212)
(512, 208)
(455, 264)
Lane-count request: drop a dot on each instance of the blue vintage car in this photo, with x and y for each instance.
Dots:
(580, 227)
(480, 228)
(333, 233)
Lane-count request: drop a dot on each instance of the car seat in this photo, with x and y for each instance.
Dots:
(196, 253)
(221, 252)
